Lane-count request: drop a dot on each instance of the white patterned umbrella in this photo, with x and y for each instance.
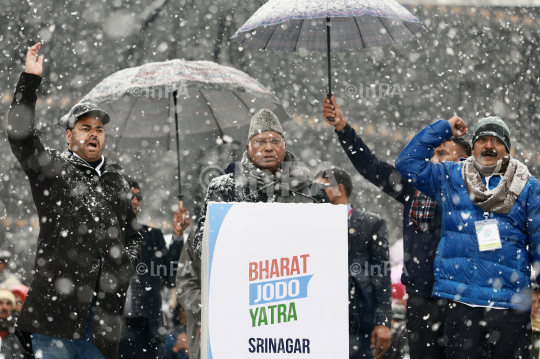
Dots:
(325, 25)
(212, 101)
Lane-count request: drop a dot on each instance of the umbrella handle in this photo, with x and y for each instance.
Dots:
(181, 205)
(331, 119)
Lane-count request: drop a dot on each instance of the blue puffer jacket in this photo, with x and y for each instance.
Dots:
(501, 277)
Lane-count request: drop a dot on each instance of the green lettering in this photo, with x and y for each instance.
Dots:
(262, 317)
(271, 307)
(292, 312)
(281, 309)
(253, 315)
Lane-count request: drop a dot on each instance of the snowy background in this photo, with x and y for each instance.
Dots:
(473, 61)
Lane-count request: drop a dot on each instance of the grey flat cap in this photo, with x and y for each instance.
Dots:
(264, 121)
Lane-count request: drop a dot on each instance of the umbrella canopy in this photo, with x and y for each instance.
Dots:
(212, 101)
(191, 102)
(291, 25)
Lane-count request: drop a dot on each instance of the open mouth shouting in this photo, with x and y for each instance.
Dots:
(92, 145)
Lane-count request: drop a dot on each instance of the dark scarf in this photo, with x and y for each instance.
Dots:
(422, 213)
(6, 325)
(501, 199)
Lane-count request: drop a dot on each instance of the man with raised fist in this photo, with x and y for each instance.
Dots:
(490, 214)
(88, 243)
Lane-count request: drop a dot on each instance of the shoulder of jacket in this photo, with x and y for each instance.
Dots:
(222, 182)
(533, 185)
(53, 152)
(368, 216)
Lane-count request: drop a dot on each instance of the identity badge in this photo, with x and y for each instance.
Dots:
(487, 233)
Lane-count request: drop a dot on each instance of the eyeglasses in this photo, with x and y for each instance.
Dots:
(138, 196)
(275, 142)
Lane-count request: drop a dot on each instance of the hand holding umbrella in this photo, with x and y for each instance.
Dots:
(325, 25)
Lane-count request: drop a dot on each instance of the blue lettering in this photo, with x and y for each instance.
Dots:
(272, 345)
(279, 290)
(281, 347)
(297, 347)
(305, 344)
(289, 346)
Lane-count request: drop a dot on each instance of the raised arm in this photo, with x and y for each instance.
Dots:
(414, 161)
(383, 175)
(22, 135)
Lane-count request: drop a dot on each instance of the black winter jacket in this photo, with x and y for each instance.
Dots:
(88, 242)
(419, 247)
(369, 269)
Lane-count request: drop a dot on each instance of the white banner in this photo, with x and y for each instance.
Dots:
(275, 281)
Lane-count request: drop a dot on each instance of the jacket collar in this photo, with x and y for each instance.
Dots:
(77, 161)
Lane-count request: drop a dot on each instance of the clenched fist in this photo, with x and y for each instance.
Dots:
(459, 127)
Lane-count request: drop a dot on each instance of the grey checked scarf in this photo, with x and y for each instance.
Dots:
(501, 199)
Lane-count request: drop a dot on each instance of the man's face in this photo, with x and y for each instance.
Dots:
(135, 200)
(6, 307)
(448, 151)
(535, 311)
(488, 150)
(267, 151)
(87, 138)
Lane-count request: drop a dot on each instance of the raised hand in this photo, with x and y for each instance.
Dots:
(34, 63)
(459, 127)
(332, 109)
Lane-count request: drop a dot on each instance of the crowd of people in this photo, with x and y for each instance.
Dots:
(471, 235)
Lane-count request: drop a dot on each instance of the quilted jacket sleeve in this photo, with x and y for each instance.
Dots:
(414, 161)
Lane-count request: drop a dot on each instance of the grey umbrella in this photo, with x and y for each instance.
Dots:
(325, 25)
(190, 102)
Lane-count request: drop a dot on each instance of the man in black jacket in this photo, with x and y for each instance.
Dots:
(421, 232)
(370, 309)
(144, 328)
(88, 243)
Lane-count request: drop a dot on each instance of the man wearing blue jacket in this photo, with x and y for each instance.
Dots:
(490, 214)
(421, 232)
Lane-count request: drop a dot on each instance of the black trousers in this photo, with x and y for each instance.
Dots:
(137, 340)
(359, 346)
(477, 332)
(426, 317)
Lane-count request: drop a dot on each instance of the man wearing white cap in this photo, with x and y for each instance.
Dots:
(269, 174)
